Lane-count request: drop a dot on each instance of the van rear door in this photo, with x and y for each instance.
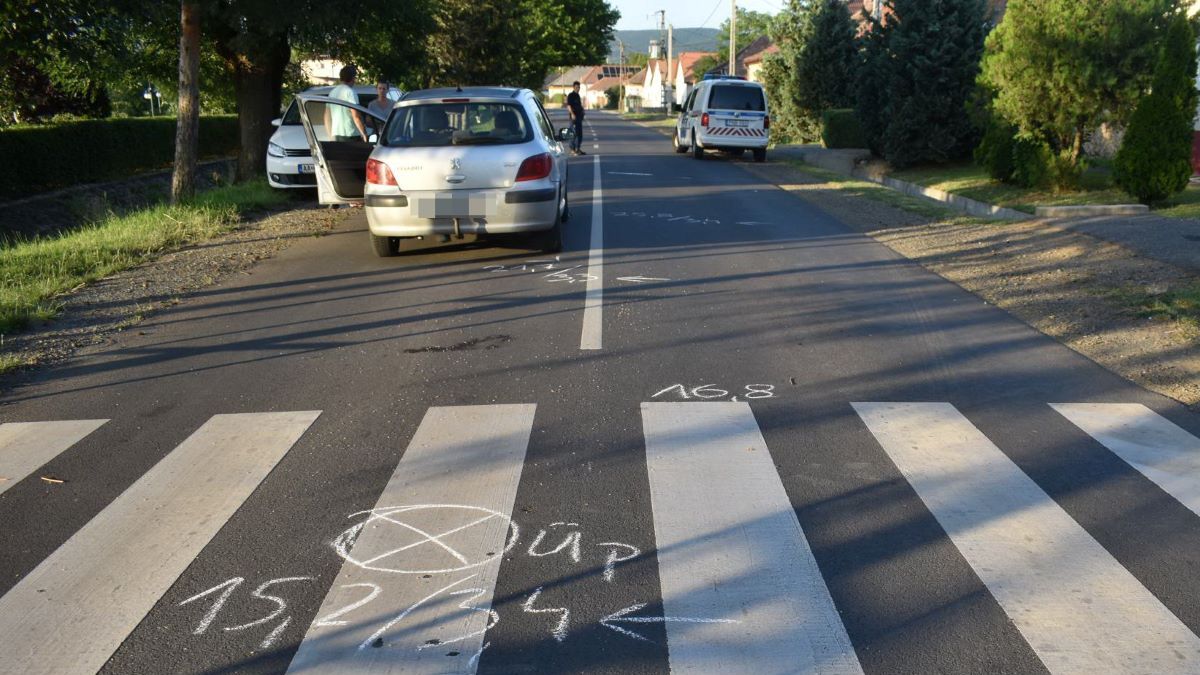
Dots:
(737, 110)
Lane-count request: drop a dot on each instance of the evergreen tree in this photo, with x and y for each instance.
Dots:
(934, 47)
(1155, 158)
(781, 76)
(874, 72)
(827, 59)
(1060, 68)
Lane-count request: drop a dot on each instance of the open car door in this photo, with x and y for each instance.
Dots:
(340, 163)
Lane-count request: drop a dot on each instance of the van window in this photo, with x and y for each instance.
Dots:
(737, 98)
(439, 124)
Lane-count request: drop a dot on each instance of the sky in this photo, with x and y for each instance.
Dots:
(641, 14)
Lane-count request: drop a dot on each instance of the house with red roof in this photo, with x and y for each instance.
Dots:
(684, 77)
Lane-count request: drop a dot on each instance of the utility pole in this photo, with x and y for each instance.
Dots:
(668, 81)
(621, 97)
(732, 70)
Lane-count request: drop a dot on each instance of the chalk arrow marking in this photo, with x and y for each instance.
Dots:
(619, 615)
(638, 280)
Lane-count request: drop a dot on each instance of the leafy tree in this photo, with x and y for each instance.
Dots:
(1060, 68)
(780, 75)
(934, 47)
(639, 59)
(827, 58)
(751, 25)
(1154, 161)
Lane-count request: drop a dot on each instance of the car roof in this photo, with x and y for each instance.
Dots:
(358, 89)
(462, 92)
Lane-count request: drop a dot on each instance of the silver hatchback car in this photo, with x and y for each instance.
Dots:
(481, 160)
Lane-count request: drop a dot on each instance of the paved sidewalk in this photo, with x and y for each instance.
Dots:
(1170, 240)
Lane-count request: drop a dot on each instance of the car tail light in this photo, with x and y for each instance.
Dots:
(704, 120)
(378, 173)
(535, 167)
(767, 122)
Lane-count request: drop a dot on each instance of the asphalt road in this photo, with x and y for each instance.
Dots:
(719, 433)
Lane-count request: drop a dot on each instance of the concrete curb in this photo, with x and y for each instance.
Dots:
(959, 203)
(1088, 210)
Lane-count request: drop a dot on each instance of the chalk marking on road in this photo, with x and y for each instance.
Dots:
(620, 615)
(593, 318)
(74, 609)
(628, 173)
(463, 450)
(641, 279)
(1078, 608)
(729, 546)
(610, 562)
(1147, 441)
(560, 629)
(25, 446)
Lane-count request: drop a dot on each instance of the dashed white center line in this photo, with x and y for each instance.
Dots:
(594, 299)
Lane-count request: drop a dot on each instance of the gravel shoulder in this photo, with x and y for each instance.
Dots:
(92, 314)
(1064, 283)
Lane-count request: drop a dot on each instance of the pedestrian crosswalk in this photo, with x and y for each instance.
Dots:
(740, 586)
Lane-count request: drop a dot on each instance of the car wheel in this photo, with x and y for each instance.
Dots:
(760, 154)
(697, 151)
(679, 147)
(385, 247)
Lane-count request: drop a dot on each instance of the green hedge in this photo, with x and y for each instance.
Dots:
(840, 128)
(41, 158)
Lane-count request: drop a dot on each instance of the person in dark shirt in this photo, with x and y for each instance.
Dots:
(575, 109)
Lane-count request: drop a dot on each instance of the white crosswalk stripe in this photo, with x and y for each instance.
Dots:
(1161, 451)
(731, 548)
(25, 446)
(1078, 608)
(741, 588)
(429, 555)
(74, 609)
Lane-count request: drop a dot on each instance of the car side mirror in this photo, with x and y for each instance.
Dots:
(566, 134)
(277, 121)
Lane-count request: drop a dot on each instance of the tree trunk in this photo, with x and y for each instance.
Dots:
(257, 80)
(187, 121)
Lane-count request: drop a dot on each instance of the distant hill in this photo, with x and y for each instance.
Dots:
(686, 40)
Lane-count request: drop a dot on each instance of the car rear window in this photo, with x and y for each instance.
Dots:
(737, 98)
(473, 123)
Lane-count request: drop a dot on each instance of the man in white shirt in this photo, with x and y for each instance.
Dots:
(345, 124)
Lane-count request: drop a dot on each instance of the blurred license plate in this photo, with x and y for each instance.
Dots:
(307, 168)
(457, 205)
(737, 123)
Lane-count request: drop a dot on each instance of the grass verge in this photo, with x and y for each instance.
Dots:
(972, 181)
(34, 273)
(1178, 304)
(860, 188)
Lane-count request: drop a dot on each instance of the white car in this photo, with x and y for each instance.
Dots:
(724, 113)
(480, 160)
(289, 159)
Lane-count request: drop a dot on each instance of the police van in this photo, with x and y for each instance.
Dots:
(724, 113)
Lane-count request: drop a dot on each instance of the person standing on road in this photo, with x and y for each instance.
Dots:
(382, 105)
(575, 109)
(345, 124)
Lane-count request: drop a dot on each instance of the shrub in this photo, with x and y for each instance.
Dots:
(1154, 161)
(41, 158)
(612, 98)
(840, 128)
(996, 150)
